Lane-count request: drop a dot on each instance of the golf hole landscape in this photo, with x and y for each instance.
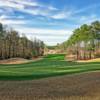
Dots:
(49, 50)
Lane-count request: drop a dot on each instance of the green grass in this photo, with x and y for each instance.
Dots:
(51, 65)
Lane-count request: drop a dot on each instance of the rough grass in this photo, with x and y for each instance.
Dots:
(85, 86)
(51, 65)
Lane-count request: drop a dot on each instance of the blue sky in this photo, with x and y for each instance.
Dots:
(52, 21)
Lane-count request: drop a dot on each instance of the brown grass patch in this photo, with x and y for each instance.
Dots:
(18, 60)
(14, 61)
(92, 60)
(84, 86)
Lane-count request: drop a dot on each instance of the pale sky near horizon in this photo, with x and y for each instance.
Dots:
(49, 20)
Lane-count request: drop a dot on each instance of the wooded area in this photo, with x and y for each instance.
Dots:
(13, 45)
(84, 42)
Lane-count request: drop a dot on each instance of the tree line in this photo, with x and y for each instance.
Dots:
(13, 45)
(84, 42)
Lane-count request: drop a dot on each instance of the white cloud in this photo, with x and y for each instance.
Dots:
(86, 8)
(12, 22)
(49, 36)
(52, 8)
(24, 6)
(59, 16)
(33, 3)
(53, 40)
(10, 4)
(88, 19)
(3, 17)
(21, 5)
(6, 17)
(62, 15)
(35, 12)
(43, 31)
(69, 14)
(23, 2)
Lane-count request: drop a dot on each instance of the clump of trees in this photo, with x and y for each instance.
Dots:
(85, 41)
(13, 45)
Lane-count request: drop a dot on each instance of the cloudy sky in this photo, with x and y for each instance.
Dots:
(49, 20)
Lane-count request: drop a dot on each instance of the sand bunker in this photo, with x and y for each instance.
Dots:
(14, 61)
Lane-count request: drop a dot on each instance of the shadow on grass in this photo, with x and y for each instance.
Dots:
(41, 76)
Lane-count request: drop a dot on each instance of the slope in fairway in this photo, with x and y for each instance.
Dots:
(51, 65)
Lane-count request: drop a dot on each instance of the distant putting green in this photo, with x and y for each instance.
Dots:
(50, 65)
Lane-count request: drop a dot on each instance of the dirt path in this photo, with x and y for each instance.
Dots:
(84, 86)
